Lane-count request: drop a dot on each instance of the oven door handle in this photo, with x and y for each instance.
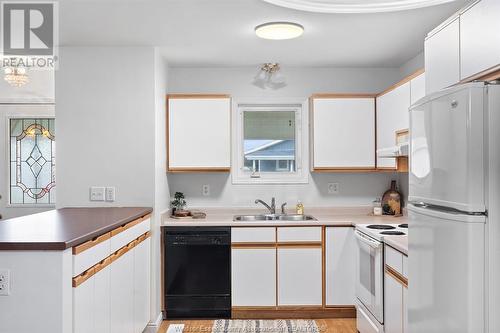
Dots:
(366, 240)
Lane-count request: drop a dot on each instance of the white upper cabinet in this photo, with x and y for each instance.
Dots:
(480, 37)
(417, 88)
(343, 132)
(199, 133)
(442, 57)
(392, 116)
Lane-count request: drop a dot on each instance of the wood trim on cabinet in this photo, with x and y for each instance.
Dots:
(341, 95)
(91, 243)
(129, 225)
(204, 169)
(254, 245)
(396, 275)
(403, 81)
(103, 264)
(300, 244)
(323, 266)
(345, 169)
(293, 312)
(197, 96)
(79, 279)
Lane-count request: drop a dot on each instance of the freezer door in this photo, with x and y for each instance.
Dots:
(446, 272)
(446, 149)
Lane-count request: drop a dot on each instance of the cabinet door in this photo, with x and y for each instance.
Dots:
(340, 266)
(393, 305)
(479, 37)
(122, 296)
(299, 276)
(142, 273)
(417, 88)
(392, 116)
(344, 133)
(253, 277)
(405, 309)
(83, 307)
(102, 301)
(442, 58)
(199, 133)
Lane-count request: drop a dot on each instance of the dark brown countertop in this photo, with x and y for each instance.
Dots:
(60, 229)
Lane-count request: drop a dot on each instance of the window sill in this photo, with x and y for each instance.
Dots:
(30, 206)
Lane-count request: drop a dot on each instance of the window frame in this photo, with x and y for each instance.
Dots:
(301, 174)
(8, 117)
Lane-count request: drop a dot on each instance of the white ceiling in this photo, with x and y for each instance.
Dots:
(221, 32)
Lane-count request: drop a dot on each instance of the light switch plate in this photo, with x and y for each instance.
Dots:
(4, 282)
(110, 194)
(97, 193)
(333, 188)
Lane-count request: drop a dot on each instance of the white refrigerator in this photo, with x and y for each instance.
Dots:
(454, 211)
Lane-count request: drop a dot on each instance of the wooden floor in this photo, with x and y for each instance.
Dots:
(324, 325)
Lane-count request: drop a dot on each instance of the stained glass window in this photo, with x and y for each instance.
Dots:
(32, 161)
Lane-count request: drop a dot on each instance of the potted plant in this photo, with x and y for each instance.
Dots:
(179, 203)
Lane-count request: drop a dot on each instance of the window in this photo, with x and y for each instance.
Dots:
(32, 161)
(269, 144)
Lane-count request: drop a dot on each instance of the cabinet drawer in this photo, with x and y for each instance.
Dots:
(394, 259)
(90, 253)
(253, 235)
(405, 266)
(299, 234)
(125, 234)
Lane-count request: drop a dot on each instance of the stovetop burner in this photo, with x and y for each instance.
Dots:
(404, 225)
(393, 233)
(381, 227)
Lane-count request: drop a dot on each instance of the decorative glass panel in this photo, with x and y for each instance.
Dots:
(32, 161)
(269, 141)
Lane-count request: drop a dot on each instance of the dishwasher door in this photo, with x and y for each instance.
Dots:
(198, 272)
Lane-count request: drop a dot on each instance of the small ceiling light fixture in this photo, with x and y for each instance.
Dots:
(269, 76)
(279, 30)
(16, 76)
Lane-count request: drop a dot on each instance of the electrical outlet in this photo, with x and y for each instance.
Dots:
(97, 193)
(205, 190)
(110, 194)
(333, 188)
(4, 282)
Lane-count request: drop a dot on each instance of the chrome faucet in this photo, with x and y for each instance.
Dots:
(283, 208)
(272, 208)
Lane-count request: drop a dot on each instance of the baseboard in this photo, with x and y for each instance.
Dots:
(154, 326)
(293, 312)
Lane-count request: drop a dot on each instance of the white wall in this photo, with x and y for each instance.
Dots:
(110, 125)
(39, 89)
(355, 189)
(412, 65)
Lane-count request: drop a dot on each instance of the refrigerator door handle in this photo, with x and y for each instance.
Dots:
(447, 214)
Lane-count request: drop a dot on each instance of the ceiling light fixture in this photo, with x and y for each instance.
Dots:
(279, 30)
(16, 76)
(355, 6)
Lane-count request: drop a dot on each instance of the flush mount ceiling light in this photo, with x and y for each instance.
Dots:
(355, 6)
(279, 30)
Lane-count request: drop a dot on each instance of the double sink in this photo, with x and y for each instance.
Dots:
(274, 217)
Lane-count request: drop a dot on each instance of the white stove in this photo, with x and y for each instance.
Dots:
(379, 231)
(370, 280)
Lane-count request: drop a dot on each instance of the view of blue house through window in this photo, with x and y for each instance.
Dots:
(32, 161)
(269, 141)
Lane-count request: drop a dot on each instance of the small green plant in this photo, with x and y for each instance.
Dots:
(179, 201)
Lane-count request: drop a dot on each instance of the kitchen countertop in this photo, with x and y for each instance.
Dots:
(342, 216)
(400, 243)
(61, 229)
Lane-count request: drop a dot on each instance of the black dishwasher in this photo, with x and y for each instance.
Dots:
(197, 272)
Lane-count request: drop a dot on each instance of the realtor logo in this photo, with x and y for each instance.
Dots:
(28, 28)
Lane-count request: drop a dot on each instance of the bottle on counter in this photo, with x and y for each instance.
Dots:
(299, 208)
(377, 207)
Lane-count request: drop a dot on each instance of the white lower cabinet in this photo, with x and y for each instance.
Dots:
(253, 276)
(83, 307)
(122, 294)
(405, 309)
(142, 284)
(102, 305)
(393, 305)
(299, 276)
(340, 249)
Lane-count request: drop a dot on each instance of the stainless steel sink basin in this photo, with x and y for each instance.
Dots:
(251, 218)
(271, 217)
(296, 217)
